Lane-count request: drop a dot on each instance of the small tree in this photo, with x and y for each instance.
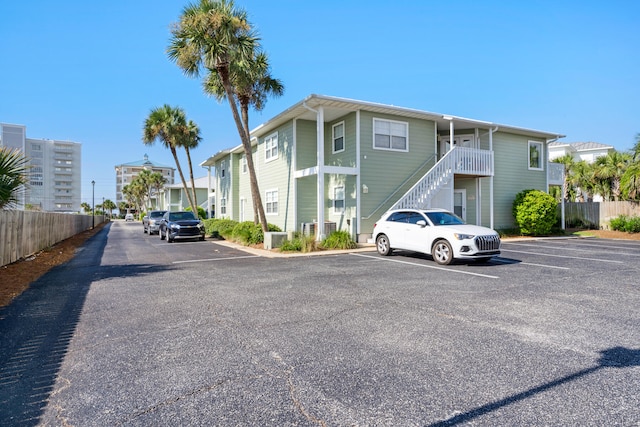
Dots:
(535, 212)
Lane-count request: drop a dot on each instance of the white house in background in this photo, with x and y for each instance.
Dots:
(175, 199)
(587, 151)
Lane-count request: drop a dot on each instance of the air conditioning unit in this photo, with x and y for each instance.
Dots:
(309, 228)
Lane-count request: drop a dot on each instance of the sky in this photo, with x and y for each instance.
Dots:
(90, 72)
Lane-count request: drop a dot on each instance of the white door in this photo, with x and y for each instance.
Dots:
(460, 141)
(460, 203)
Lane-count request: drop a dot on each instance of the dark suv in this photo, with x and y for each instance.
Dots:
(181, 225)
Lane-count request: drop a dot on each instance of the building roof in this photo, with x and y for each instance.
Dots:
(334, 108)
(582, 146)
(146, 163)
(201, 182)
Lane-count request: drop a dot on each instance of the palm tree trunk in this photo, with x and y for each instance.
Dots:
(184, 182)
(246, 144)
(194, 205)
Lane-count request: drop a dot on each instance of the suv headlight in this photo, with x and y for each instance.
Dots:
(461, 236)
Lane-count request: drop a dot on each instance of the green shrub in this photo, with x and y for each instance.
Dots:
(202, 214)
(339, 240)
(535, 212)
(219, 227)
(249, 233)
(625, 223)
(299, 243)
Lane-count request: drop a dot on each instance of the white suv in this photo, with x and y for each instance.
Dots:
(128, 217)
(438, 232)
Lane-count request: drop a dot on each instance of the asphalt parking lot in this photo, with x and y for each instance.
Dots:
(136, 331)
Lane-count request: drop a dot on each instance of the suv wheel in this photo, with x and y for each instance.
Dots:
(442, 252)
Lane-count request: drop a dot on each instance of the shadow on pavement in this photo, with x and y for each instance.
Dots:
(615, 357)
(37, 327)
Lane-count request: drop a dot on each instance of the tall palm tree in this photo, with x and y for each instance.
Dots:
(190, 140)
(168, 125)
(216, 36)
(86, 207)
(110, 206)
(157, 182)
(13, 177)
(252, 83)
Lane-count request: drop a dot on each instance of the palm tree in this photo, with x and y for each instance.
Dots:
(252, 82)
(214, 35)
(169, 125)
(13, 177)
(609, 170)
(110, 206)
(86, 207)
(156, 182)
(191, 140)
(569, 165)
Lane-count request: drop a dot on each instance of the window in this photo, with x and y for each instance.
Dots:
(390, 135)
(271, 147)
(222, 168)
(272, 202)
(338, 137)
(243, 161)
(223, 206)
(535, 155)
(338, 200)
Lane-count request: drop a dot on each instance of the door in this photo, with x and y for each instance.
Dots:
(460, 203)
(460, 141)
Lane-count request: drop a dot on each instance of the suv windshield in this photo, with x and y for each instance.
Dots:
(181, 216)
(156, 214)
(444, 218)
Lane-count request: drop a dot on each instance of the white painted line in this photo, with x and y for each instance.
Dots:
(426, 266)
(562, 256)
(214, 259)
(570, 248)
(530, 263)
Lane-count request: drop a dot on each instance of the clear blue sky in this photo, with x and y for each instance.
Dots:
(90, 72)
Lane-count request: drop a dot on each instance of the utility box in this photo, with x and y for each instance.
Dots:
(274, 239)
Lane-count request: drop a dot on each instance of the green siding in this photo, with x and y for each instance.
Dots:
(382, 171)
(468, 184)
(512, 175)
(346, 158)
(306, 152)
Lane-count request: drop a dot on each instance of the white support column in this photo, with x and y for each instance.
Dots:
(358, 181)
(320, 157)
(491, 179)
(208, 191)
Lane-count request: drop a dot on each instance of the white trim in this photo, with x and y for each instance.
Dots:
(266, 201)
(269, 147)
(540, 160)
(333, 137)
(463, 192)
(373, 133)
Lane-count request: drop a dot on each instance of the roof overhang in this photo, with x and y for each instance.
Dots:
(335, 108)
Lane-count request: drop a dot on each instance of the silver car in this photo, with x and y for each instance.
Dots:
(151, 222)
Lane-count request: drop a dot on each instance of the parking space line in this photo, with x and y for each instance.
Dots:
(568, 248)
(214, 259)
(427, 266)
(495, 259)
(563, 256)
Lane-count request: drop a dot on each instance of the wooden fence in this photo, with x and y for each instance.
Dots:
(23, 233)
(597, 214)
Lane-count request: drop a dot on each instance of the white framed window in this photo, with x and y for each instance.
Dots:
(338, 199)
(338, 137)
(271, 201)
(223, 206)
(535, 155)
(271, 147)
(222, 169)
(243, 162)
(390, 135)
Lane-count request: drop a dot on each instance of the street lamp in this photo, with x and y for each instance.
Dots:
(93, 204)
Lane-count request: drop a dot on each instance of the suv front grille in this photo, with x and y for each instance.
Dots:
(488, 243)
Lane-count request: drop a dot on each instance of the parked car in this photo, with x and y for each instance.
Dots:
(438, 232)
(151, 222)
(129, 217)
(181, 225)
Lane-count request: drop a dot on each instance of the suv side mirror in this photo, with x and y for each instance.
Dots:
(422, 223)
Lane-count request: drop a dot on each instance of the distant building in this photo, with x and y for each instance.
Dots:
(54, 170)
(587, 151)
(175, 198)
(126, 172)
